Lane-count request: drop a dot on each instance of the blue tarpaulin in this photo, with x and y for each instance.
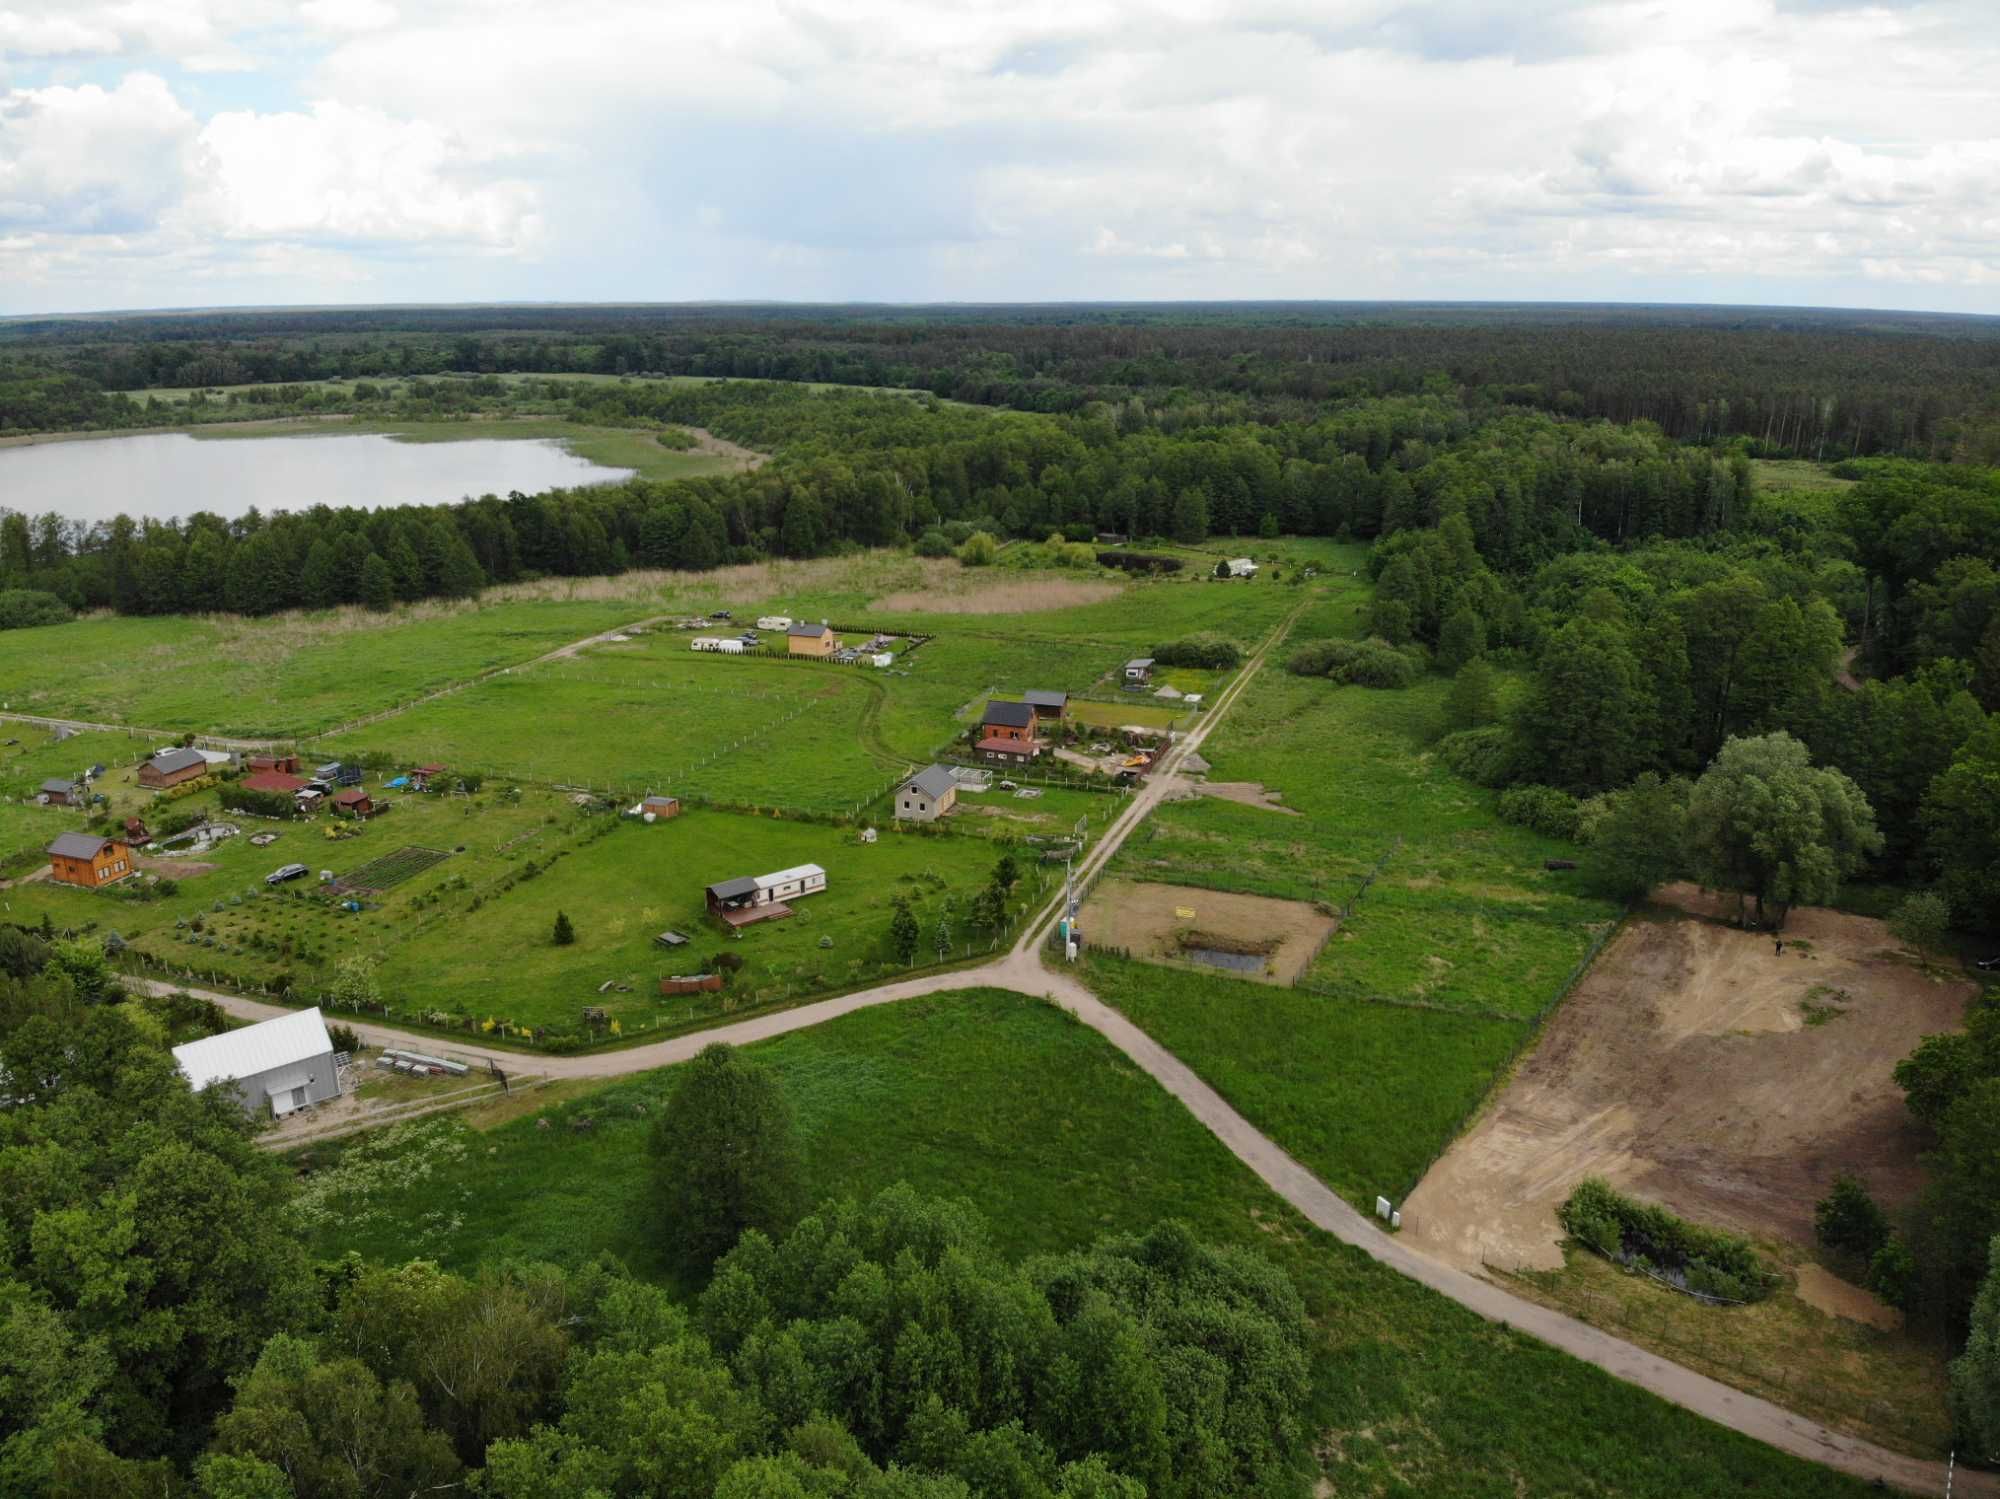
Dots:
(399, 781)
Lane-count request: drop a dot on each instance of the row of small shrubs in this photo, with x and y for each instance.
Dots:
(1705, 1261)
(1362, 663)
(1211, 651)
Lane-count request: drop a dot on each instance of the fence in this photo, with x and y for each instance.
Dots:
(1529, 1035)
(1717, 1343)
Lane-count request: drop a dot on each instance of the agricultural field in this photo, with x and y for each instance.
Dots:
(1056, 1139)
(222, 922)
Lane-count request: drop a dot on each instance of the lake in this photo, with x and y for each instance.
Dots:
(166, 474)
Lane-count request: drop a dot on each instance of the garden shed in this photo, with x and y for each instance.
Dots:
(59, 792)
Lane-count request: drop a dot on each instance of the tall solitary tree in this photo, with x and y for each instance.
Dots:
(904, 932)
(725, 1157)
(1765, 822)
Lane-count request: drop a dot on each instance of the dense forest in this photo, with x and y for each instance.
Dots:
(1819, 384)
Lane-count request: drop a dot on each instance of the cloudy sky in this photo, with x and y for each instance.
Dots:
(211, 152)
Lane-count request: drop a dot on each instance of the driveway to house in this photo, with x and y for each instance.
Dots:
(1023, 971)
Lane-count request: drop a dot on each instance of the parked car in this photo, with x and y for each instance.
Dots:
(1988, 965)
(724, 614)
(287, 872)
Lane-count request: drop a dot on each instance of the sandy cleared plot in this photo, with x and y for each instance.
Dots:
(1684, 1070)
(1248, 794)
(1150, 921)
(1026, 597)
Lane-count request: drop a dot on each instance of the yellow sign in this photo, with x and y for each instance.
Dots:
(1186, 913)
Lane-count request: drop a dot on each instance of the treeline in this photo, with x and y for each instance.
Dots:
(164, 1335)
(852, 469)
(1819, 384)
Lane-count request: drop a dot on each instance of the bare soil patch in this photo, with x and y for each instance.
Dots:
(1161, 923)
(1029, 596)
(1824, 1291)
(744, 459)
(1247, 793)
(1685, 1071)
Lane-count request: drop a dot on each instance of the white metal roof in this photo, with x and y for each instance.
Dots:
(786, 876)
(255, 1048)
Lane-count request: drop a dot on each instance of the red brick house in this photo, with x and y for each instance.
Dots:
(1007, 734)
(87, 860)
(172, 767)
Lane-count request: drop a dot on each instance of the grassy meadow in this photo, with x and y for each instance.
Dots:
(1363, 1094)
(292, 674)
(1056, 1139)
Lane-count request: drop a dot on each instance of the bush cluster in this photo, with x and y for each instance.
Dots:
(1483, 756)
(1552, 813)
(1139, 562)
(1704, 1260)
(1363, 663)
(1213, 652)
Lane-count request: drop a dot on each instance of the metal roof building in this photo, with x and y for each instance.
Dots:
(285, 1064)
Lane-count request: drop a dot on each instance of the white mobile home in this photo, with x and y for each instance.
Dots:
(775, 622)
(1242, 567)
(282, 1064)
(790, 884)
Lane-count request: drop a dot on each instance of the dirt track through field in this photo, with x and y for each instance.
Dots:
(1022, 971)
(1697, 1067)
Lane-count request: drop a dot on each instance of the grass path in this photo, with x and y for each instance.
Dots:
(1023, 971)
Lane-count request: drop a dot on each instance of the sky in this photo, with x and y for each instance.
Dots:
(175, 153)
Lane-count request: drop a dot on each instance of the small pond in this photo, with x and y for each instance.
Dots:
(159, 475)
(1235, 962)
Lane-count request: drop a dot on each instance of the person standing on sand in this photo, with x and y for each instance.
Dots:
(1777, 947)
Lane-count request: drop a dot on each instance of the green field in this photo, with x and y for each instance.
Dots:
(1462, 913)
(653, 715)
(1056, 1139)
(497, 961)
(291, 674)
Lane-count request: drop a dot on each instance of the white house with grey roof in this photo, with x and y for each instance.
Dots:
(927, 795)
(281, 1065)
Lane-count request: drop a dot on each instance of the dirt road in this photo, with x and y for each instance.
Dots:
(1022, 970)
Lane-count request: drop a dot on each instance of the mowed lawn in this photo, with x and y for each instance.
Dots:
(498, 961)
(1056, 1139)
(652, 715)
(286, 675)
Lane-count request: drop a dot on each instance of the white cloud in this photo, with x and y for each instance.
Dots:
(90, 161)
(1042, 148)
(348, 175)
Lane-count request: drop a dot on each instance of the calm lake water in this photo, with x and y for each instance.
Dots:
(160, 475)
